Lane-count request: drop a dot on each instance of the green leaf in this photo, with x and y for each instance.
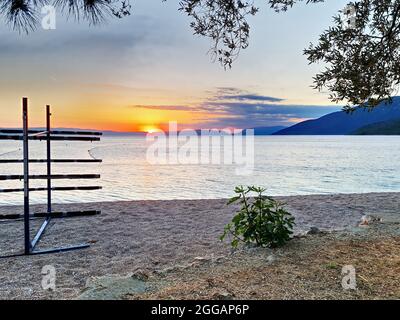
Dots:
(261, 220)
(235, 243)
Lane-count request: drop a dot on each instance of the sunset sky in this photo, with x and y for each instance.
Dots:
(147, 69)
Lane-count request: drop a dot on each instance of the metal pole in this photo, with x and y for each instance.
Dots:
(48, 114)
(26, 175)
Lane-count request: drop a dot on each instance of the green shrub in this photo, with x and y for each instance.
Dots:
(261, 220)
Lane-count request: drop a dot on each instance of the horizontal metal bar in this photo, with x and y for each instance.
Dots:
(11, 190)
(67, 214)
(38, 133)
(53, 138)
(10, 216)
(53, 176)
(53, 215)
(63, 132)
(61, 249)
(88, 188)
(52, 160)
(15, 255)
(72, 188)
(48, 251)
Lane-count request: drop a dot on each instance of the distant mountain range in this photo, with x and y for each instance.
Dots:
(377, 121)
(262, 131)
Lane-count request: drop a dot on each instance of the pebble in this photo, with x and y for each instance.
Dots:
(223, 296)
(368, 219)
(140, 275)
(313, 230)
(271, 259)
(201, 259)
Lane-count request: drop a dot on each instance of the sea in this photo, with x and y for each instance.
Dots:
(283, 165)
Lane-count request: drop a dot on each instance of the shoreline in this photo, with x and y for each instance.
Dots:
(155, 234)
(4, 206)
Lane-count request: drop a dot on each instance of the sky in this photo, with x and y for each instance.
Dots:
(139, 72)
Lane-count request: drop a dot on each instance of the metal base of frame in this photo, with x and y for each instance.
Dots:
(39, 234)
(36, 240)
(48, 251)
(61, 249)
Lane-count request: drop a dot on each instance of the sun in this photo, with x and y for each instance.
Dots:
(149, 129)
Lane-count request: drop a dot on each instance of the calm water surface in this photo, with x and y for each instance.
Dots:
(288, 165)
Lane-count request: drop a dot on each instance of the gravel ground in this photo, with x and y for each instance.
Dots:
(153, 235)
(309, 267)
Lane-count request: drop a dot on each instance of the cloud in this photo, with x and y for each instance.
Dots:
(251, 97)
(230, 93)
(233, 107)
(115, 50)
(259, 109)
(249, 115)
(236, 107)
(73, 37)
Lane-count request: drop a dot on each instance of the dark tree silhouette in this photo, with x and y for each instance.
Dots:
(23, 15)
(361, 59)
(224, 22)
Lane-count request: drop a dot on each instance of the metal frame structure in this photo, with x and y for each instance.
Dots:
(47, 135)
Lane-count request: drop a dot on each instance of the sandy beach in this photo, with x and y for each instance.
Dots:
(137, 236)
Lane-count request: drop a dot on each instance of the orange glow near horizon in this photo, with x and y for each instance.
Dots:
(149, 129)
(110, 108)
(99, 111)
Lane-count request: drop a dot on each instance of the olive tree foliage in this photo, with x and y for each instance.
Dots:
(359, 52)
(362, 58)
(359, 60)
(224, 22)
